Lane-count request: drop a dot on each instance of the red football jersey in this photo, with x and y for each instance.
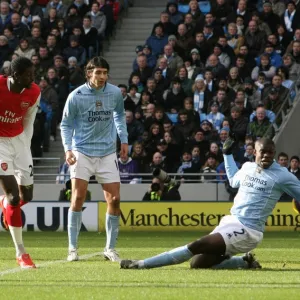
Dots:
(14, 107)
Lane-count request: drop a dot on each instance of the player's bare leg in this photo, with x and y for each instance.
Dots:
(112, 197)
(11, 205)
(209, 244)
(79, 189)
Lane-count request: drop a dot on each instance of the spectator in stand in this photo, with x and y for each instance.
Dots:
(76, 76)
(157, 40)
(13, 42)
(75, 50)
(278, 46)
(187, 167)
(223, 101)
(135, 128)
(286, 82)
(293, 68)
(198, 139)
(292, 38)
(184, 125)
(283, 159)
(61, 9)
(199, 43)
(20, 30)
(222, 84)
(249, 154)
(161, 82)
(268, 16)
(252, 95)
(51, 98)
(35, 9)
(195, 11)
(80, 6)
(215, 117)
(5, 50)
(89, 37)
(260, 126)
(174, 15)
(209, 81)
(209, 168)
(234, 81)
(25, 49)
(159, 118)
(255, 39)
(240, 11)
(190, 25)
(296, 51)
(144, 71)
(215, 149)
(128, 102)
(168, 27)
(155, 93)
(234, 40)
(128, 168)
(264, 67)
(290, 18)
(133, 93)
(177, 137)
(210, 134)
(174, 61)
(167, 73)
(269, 113)
(186, 83)
(223, 57)
(74, 16)
(138, 154)
(107, 8)
(98, 19)
(243, 103)
(243, 68)
(156, 162)
(36, 40)
(193, 115)
(294, 166)
(221, 9)
(53, 47)
(238, 124)
(218, 70)
(174, 97)
(51, 21)
(155, 135)
(224, 134)
(5, 15)
(5, 70)
(183, 39)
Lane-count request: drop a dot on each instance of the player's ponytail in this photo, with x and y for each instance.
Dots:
(19, 65)
(96, 62)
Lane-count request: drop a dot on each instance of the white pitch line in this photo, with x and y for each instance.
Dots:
(48, 263)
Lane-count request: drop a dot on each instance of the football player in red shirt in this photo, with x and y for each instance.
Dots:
(18, 106)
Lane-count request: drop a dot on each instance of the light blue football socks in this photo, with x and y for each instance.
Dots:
(74, 226)
(235, 262)
(172, 257)
(112, 230)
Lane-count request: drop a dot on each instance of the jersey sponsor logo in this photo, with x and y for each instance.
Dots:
(255, 183)
(24, 105)
(98, 103)
(10, 117)
(4, 166)
(102, 115)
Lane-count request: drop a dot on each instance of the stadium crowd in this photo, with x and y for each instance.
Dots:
(198, 77)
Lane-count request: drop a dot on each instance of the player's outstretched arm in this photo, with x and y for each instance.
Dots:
(230, 165)
(119, 119)
(67, 122)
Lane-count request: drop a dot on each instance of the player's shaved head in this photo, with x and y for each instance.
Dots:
(265, 142)
(264, 152)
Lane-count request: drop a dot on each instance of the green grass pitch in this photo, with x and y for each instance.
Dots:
(95, 278)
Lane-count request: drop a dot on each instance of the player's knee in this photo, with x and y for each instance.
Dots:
(115, 201)
(26, 193)
(13, 199)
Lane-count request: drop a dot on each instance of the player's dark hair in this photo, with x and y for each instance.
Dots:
(20, 65)
(96, 62)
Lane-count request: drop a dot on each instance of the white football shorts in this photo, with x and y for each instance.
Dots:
(104, 168)
(16, 159)
(238, 238)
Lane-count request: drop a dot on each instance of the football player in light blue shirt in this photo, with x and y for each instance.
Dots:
(93, 114)
(260, 183)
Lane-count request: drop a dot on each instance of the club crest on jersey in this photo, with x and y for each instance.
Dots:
(4, 166)
(24, 105)
(98, 104)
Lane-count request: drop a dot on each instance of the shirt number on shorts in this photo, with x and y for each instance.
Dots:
(31, 170)
(235, 233)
